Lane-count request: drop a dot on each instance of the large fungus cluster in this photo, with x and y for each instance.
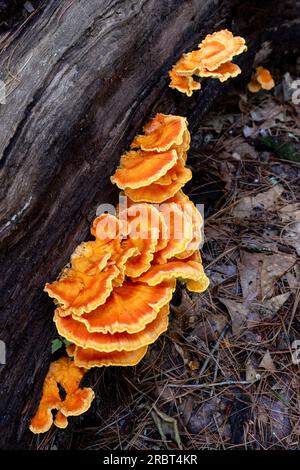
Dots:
(213, 59)
(113, 298)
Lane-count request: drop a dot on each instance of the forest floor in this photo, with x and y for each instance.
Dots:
(225, 375)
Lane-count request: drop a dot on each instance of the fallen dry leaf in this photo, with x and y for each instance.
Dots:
(251, 337)
(273, 268)
(166, 394)
(269, 113)
(217, 122)
(293, 277)
(296, 429)
(167, 427)
(209, 329)
(249, 276)
(270, 307)
(238, 314)
(187, 311)
(267, 362)
(250, 131)
(186, 306)
(245, 150)
(183, 354)
(220, 273)
(217, 231)
(290, 213)
(227, 172)
(265, 200)
(259, 272)
(203, 418)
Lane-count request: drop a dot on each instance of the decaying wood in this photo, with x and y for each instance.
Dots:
(81, 78)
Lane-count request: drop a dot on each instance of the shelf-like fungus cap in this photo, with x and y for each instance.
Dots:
(189, 269)
(138, 168)
(184, 84)
(150, 219)
(188, 64)
(201, 284)
(79, 292)
(129, 308)
(198, 286)
(77, 333)
(222, 73)
(60, 420)
(96, 267)
(253, 86)
(161, 191)
(194, 219)
(108, 230)
(264, 78)
(184, 147)
(89, 358)
(43, 419)
(146, 247)
(144, 232)
(179, 231)
(77, 400)
(220, 47)
(163, 133)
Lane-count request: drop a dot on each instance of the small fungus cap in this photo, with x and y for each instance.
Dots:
(264, 78)
(138, 168)
(164, 133)
(184, 84)
(220, 47)
(160, 191)
(189, 269)
(222, 73)
(89, 358)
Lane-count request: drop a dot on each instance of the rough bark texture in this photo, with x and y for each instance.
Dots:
(81, 78)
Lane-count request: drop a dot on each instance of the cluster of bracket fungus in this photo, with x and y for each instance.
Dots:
(261, 80)
(213, 59)
(155, 169)
(66, 374)
(113, 298)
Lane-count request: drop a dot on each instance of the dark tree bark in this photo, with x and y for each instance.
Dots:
(81, 78)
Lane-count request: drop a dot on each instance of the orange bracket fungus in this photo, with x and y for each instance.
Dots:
(211, 60)
(112, 301)
(66, 374)
(261, 80)
(163, 135)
